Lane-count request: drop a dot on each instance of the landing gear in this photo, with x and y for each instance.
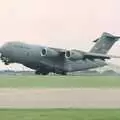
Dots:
(6, 63)
(38, 72)
(63, 73)
(60, 72)
(44, 73)
(5, 60)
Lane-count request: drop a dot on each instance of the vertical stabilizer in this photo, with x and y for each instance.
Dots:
(104, 43)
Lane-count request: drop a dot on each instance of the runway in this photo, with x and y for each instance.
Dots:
(59, 98)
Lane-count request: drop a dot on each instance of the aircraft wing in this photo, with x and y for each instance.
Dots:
(73, 54)
(77, 55)
(98, 56)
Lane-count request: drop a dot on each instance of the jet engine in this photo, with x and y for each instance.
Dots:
(74, 55)
(49, 52)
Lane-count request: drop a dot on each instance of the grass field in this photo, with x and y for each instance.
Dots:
(60, 114)
(60, 81)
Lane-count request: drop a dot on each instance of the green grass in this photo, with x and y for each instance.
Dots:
(59, 81)
(59, 114)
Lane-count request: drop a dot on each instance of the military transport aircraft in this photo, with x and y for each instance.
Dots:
(60, 61)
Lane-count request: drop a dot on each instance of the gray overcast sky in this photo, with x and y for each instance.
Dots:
(59, 23)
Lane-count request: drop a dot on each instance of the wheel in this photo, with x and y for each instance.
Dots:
(37, 72)
(45, 73)
(42, 73)
(63, 73)
(6, 63)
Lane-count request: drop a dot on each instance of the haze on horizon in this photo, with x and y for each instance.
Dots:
(59, 23)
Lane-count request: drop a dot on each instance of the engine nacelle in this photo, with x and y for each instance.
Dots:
(48, 52)
(74, 55)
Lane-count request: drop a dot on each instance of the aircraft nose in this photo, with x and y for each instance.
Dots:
(3, 49)
(0, 53)
(0, 50)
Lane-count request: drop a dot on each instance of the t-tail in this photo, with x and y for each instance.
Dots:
(104, 43)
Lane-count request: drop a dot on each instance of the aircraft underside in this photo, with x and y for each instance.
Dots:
(61, 68)
(68, 66)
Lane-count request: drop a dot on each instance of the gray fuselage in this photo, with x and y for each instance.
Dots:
(30, 56)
